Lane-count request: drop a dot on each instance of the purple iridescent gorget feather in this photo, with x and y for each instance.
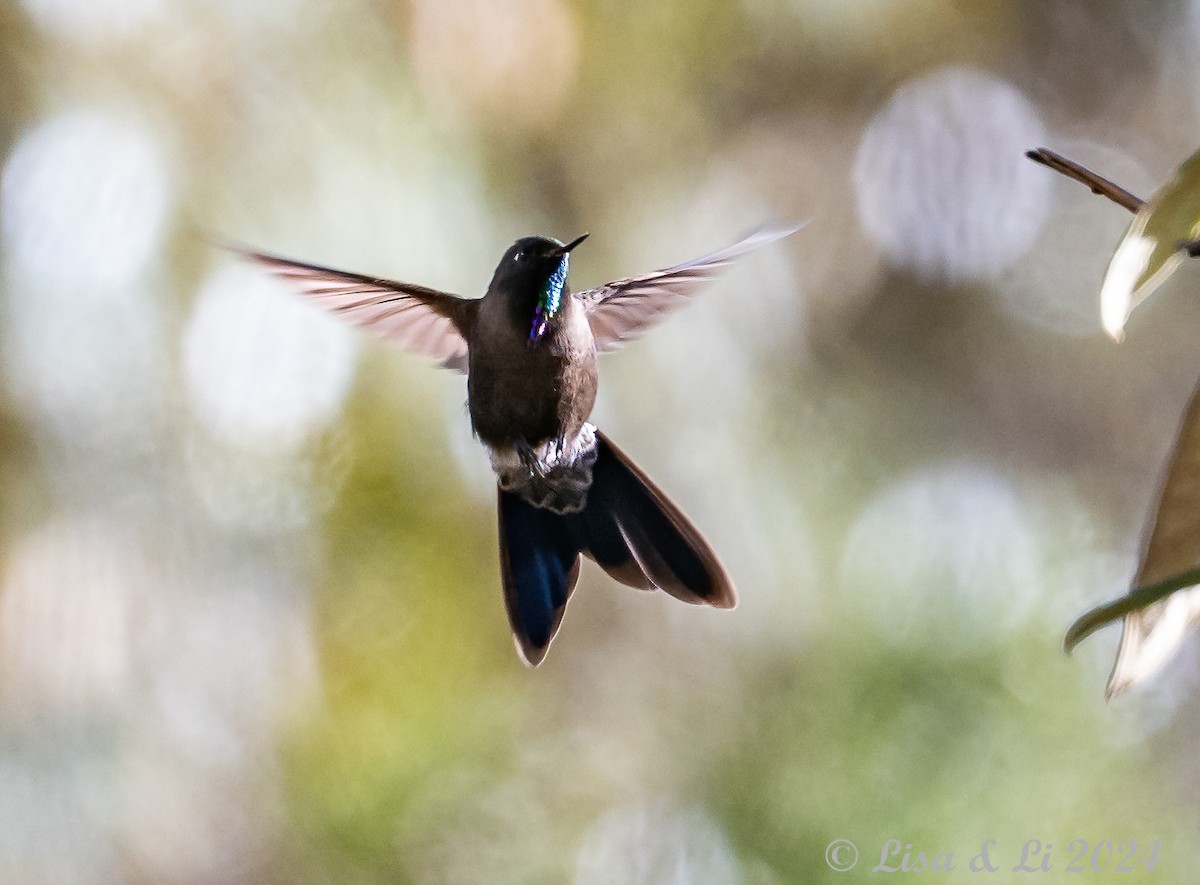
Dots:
(550, 300)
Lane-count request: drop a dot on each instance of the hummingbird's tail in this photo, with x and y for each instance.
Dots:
(628, 527)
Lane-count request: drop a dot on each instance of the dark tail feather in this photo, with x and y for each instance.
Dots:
(630, 523)
(629, 527)
(539, 562)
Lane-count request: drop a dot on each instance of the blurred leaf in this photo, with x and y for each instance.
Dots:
(1150, 250)
(1142, 597)
(1154, 631)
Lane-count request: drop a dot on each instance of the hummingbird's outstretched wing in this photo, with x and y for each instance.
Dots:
(428, 322)
(621, 310)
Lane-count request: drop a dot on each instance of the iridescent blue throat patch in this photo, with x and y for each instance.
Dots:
(549, 301)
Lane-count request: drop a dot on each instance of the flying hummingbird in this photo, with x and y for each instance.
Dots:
(529, 349)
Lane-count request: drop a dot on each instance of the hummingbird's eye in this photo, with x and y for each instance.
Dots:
(519, 257)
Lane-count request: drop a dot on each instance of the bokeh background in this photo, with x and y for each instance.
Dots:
(251, 627)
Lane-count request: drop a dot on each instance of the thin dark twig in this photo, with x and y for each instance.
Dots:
(1074, 171)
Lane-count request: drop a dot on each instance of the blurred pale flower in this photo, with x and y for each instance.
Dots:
(1152, 635)
(1054, 286)
(1150, 250)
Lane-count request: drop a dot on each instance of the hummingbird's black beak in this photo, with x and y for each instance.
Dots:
(563, 250)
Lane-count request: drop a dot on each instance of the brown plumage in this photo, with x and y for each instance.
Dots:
(529, 349)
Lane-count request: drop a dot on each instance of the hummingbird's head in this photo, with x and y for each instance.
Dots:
(538, 266)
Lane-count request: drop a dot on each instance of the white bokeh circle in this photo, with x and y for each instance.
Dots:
(941, 180)
(263, 369)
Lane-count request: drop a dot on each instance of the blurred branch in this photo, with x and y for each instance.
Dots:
(1075, 172)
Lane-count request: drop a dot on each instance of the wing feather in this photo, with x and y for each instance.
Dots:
(622, 310)
(425, 321)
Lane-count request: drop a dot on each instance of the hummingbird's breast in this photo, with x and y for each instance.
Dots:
(522, 394)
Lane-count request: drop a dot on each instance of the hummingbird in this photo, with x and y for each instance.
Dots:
(528, 347)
